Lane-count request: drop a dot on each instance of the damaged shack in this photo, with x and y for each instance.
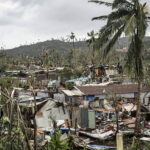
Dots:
(48, 111)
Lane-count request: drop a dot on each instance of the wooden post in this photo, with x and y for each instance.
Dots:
(75, 125)
(119, 138)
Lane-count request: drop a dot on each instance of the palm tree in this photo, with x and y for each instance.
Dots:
(47, 62)
(73, 38)
(92, 43)
(129, 17)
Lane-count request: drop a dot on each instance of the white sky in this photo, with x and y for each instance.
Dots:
(28, 21)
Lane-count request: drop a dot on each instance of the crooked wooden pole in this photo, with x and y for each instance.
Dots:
(137, 125)
(34, 121)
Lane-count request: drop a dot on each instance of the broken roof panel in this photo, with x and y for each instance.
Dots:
(83, 79)
(73, 92)
(31, 104)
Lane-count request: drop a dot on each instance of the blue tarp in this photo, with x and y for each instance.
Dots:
(90, 97)
(51, 131)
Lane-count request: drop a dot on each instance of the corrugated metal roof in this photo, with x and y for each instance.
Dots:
(115, 88)
(37, 98)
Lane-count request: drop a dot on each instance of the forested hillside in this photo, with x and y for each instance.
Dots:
(60, 46)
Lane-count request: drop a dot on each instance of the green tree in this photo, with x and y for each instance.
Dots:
(6, 84)
(57, 143)
(131, 18)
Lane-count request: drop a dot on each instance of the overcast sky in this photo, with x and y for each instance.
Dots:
(28, 21)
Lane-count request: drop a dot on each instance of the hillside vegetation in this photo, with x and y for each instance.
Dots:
(37, 48)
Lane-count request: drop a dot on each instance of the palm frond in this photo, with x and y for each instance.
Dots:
(108, 31)
(122, 3)
(142, 23)
(113, 41)
(100, 18)
(120, 13)
(101, 2)
(144, 5)
(134, 58)
(130, 25)
(138, 57)
(129, 62)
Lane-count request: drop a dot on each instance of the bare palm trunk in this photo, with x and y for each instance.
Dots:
(93, 55)
(47, 73)
(137, 125)
(34, 121)
(73, 43)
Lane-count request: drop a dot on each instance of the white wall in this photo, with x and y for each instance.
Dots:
(43, 117)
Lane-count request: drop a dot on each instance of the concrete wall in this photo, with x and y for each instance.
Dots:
(144, 96)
